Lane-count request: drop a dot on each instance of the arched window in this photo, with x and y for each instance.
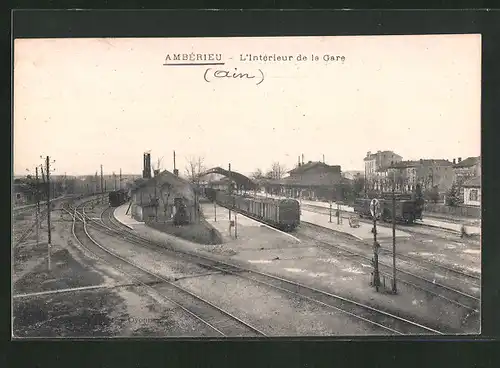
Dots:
(473, 195)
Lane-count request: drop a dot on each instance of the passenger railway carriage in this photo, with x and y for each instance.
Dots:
(281, 213)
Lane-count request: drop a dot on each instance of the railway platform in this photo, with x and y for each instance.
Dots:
(246, 228)
(469, 229)
(122, 217)
(363, 232)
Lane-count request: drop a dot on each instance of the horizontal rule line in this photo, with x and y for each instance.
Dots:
(194, 64)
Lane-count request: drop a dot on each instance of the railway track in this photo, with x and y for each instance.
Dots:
(473, 280)
(20, 238)
(407, 228)
(432, 287)
(217, 319)
(467, 276)
(43, 216)
(378, 318)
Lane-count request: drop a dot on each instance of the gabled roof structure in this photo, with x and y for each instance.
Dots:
(312, 164)
(468, 162)
(239, 179)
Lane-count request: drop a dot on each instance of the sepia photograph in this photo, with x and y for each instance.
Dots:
(246, 187)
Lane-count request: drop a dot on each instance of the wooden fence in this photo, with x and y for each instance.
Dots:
(461, 211)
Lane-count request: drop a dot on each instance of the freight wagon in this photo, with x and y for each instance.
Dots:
(117, 198)
(280, 213)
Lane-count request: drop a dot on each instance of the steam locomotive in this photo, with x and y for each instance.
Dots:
(409, 207)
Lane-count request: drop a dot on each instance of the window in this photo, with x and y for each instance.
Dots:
(473, 195)
(18, 195)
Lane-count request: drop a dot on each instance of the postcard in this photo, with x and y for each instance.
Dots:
(246, 187)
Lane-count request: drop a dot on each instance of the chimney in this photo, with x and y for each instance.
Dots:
(421, 161)
(302, 159)
(156, 172)
(323, 158)
(146, 173)
(459, 159)
(299, 160)
(454, 161)
(176, 172)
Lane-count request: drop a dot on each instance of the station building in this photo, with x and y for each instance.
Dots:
(158, 198)
(312, 180)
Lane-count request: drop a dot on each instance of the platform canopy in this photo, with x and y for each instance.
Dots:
(239, 179)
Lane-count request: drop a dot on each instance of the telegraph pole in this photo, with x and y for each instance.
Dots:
(47, 163)
(338, 213)
(43, 177)
(37, 213)
(394, 289)
(102, 187)
(330, 211)
(230, 187)
(96, 184)
(235, 226)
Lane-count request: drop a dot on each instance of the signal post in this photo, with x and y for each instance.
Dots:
(375, 212)
(394, 287)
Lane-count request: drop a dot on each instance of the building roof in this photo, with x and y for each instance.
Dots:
(421, 162)
(238, 178)
(403, 164)
(311, 164)
(440, 162)
(468, 162)
(352, 174)
(178, 184)
(372, 156)
(474, 182)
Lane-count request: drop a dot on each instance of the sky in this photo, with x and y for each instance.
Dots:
(92, 102)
